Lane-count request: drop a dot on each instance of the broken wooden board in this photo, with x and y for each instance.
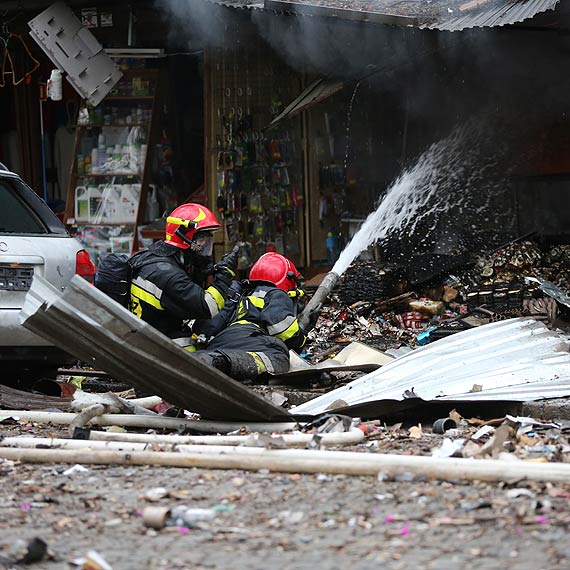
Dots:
(13, 399)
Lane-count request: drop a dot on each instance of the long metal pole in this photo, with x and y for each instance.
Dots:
(43, 150)
(309, 461)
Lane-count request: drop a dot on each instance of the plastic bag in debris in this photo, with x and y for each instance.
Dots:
(449, 448)
(329, 423)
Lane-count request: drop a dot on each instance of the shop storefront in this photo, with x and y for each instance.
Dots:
(255, 174)
(216, 124)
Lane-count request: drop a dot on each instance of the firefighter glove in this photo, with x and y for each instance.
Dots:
(228, 263)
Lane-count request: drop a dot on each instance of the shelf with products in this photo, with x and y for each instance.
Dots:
(111, 172)
(259, 194)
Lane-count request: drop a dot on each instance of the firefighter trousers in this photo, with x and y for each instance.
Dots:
(245, 351)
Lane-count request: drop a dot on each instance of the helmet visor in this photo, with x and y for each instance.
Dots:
(203, 243)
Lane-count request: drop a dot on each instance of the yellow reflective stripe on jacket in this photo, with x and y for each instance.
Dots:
(260, 362)
(281, 326)
(244, 322)
(145, 296)
(256, 301)
(289, 331)
(217, 297)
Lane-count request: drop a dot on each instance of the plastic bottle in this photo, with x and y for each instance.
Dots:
(95, 196)
(80, 164)
(109, 165)
(95, 163)
(152, 205)
(332, 247)
(181, 516)
(114, 212)
(81, 204)
(130, 196)
(102, 154)
(188, 517)
(54, 86)
(117, 157)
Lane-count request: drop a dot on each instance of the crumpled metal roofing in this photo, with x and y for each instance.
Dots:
(86, 323)
(497, 14)
(450, 15)
(516, 360)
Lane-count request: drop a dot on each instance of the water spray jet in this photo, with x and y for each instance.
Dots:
(441, 181)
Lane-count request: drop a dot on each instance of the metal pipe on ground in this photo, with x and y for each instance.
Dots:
(109, 440)
(315, 304)
(309, 461)
(155, 422)
(353, 436)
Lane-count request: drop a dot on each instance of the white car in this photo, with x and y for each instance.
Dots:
(33, 241)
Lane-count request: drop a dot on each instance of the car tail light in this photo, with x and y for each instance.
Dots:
(84, 267)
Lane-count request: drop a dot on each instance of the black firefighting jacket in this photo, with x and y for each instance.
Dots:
(164, 295)
(272, 311)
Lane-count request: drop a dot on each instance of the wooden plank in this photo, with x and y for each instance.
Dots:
(11, 398)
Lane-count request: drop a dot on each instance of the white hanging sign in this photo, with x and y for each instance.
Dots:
(74, 49)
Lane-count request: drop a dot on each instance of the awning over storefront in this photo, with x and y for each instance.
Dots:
(316, 92)
(450, 15)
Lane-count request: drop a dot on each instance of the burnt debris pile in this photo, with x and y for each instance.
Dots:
(388, 305)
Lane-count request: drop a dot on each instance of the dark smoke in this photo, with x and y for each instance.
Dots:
(416, 87)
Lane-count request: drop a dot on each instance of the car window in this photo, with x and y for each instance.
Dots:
(15, 215)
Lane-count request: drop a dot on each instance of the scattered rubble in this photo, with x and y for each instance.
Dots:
(378, 304)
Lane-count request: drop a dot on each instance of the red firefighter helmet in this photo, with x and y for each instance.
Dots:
(185, 221)
(277, 269)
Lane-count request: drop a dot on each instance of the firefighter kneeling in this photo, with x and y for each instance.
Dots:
(255, 330)
(168, 284)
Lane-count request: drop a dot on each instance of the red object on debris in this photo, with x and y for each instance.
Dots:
(412, 320)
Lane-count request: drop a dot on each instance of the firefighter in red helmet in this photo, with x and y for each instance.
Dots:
(168, 280)
(254, 332)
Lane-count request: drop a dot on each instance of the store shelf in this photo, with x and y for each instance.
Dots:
(152, 234)
(125, 188)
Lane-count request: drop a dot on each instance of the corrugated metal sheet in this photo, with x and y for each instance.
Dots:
(520, 392)
(86, 323)
(449, 15)
(240, 4)
(499, 14)
(501, 358)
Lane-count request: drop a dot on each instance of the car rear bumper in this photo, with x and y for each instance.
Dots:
(35, 355)
(12, 333)
(18, 344)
